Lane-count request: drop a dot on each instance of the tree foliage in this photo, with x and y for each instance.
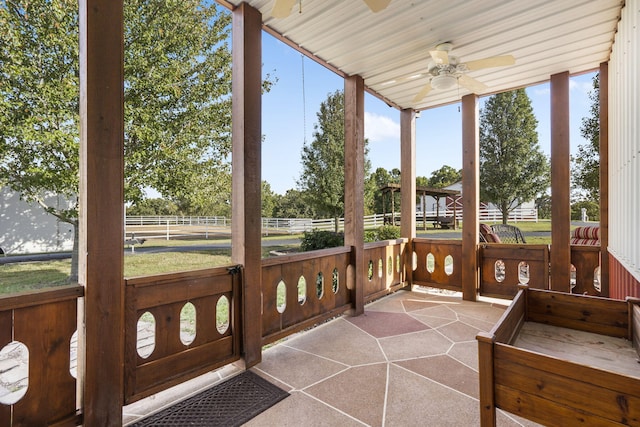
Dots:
(586, 164)
(380, 178)
(153, 206)
(293, 205)
(444, 177)
(39, 101)
(322, 178)
(177, 95)
(513, 168)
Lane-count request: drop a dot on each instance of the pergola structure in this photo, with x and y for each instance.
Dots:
(422, 191)
(385, 54)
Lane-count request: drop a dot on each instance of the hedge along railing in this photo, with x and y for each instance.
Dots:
(384, 267)
(504, 266)
(40, 325)
(437, 263)
(178, 326)
(303, 289)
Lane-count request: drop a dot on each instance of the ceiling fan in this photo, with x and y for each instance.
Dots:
(446, 70)
(282, 8)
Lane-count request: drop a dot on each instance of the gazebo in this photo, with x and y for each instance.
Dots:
(437, 193)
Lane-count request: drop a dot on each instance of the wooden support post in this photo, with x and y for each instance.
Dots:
(604, 179)
(354, 184)
(485, 373)
(471, 192)
(246, 154)
(101, 258)
(560, 186)
(408, 185)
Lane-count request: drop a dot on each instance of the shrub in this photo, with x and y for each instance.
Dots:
(385, 232)
(318, 239)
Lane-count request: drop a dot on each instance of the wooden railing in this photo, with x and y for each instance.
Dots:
(42, 323)
(504, 266)
(303, 289)
(384, 268)
(437, 263)
(586, 261)
(178, 326)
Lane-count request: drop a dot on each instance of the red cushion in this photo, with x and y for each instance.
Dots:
(586, 236)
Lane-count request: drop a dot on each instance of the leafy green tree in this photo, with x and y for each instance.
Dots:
(155, 206)
(293, 205)
(380, 178)
(322, 178)
(513, 168)
(177, 101)
(586, 164)
(269, 200)
(543, 204)
(592, 210)
(444, 177)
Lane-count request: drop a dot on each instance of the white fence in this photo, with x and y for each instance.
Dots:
(168, 227)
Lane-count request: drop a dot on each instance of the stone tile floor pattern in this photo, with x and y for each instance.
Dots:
(410, 360)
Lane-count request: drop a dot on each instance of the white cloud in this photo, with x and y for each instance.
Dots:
(542, 91)
(582, 87)
(380, 128)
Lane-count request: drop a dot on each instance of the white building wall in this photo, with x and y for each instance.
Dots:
(624, 141)
(27, 228)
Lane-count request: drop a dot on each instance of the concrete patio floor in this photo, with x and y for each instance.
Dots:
(409, 360)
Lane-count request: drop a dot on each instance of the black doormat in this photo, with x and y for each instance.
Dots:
(230, 403)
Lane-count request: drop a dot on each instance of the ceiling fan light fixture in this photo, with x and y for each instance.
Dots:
(444, 81)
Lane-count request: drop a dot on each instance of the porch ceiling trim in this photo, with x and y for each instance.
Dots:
(389, 47)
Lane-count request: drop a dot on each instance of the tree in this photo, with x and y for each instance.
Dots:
(177, 101)
(586, 164)
(269, 201)
(322, 178)
(513, 168)
(293, 205)
(444, 177)
(381, 178)
(153, 206)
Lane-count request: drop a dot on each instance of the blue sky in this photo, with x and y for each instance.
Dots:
(288, 119)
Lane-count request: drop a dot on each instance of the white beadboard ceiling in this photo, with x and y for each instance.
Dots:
(390, 48)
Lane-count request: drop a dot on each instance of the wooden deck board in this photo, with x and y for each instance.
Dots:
(586, 348)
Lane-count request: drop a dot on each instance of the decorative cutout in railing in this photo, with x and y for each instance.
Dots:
(438, 263)
(38, 356)
(289, 304)
(193, 331)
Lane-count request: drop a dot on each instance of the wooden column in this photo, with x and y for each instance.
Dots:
(101, 195)
(604, 178)
(246, 166)
(471, 193)
(560, 186)
(408, 185)
(354, 184)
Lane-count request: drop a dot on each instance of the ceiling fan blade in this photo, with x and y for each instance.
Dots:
(425, 90)
(282, 8)
(472, 84)
(440, 57)
(377, 5)
(494, 61)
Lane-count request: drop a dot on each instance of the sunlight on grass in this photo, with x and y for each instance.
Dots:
(28, 276)
(168, 262)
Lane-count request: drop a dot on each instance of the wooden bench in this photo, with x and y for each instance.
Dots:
(445, 222)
